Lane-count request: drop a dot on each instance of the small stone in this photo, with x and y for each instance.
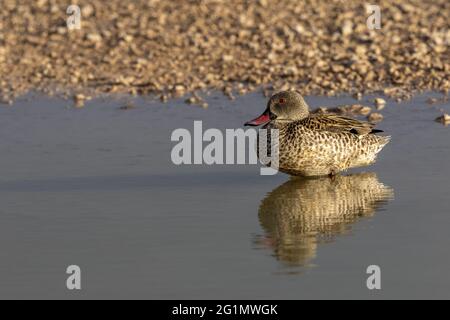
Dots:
(191, 100)
(179, 90)
(94, 37)
(195, 99)
(128, 38)
(163, 98)
(347, 28)
(365, 110)
(61, 30)
(127, 106)
(375, 117)
(6, 100)
(380, 103)
(80, 100)
(3, 54)
(242, 91)
(227, 58)
(321, 110)
(357, 96)
(444, 119)
(230, 96)
(87, 10)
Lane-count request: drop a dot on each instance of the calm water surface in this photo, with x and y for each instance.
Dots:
(96, 188)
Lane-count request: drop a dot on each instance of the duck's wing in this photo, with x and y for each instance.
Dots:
(336, 123)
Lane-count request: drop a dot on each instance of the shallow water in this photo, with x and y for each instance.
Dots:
(96, 188)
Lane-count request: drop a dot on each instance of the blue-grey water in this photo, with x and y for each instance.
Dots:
(96, 187)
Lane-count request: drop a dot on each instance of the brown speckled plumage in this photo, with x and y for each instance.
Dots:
(315, 145)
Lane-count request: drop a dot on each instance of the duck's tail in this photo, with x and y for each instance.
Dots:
(384, 140)
(373, 148)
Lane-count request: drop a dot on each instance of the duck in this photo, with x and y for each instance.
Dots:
(317, 144)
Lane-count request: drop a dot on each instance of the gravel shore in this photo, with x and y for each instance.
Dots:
(179, 47)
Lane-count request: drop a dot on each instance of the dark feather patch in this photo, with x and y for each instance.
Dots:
(337, 123)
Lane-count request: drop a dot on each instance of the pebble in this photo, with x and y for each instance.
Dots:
(179, 90)
(444, 119)
(80, 100)
(94, 37)
(375, 117)
(196, 100)
(365, 110)
(354, 110)
(380, 103)
(127, 106)
(157, 47)
(358, 96)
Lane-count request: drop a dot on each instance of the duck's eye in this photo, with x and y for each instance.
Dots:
(282, 101)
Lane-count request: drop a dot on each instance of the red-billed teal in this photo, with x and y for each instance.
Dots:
(316, 145)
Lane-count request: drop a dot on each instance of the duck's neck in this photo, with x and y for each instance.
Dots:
(293, 117)
(284, 122)
(278, 124)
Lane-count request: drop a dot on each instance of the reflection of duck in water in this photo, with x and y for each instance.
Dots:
(302, 213)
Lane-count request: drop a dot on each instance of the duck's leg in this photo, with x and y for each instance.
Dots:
(332, 174)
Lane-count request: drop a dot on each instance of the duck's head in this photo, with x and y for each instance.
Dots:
(284, 105)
